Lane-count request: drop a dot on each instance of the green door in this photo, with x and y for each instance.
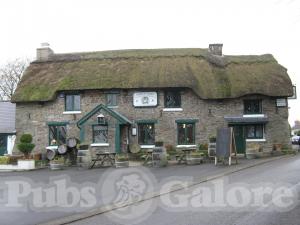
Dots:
(3, 144)
(240, 141)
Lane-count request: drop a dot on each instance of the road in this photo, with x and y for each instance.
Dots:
(275, 174)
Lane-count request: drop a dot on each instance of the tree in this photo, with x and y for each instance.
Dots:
(10, 75)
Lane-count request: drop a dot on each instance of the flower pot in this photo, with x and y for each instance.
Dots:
(56, 165)
(26, 164)
(122, 164)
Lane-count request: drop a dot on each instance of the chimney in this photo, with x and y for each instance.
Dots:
(44, 53)
(215, 49)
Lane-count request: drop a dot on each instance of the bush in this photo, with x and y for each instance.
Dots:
(122, 157)
(203, 146)
(4, 160)
(26, 138)
(26, 146)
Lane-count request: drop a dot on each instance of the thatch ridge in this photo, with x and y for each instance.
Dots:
(209, 76)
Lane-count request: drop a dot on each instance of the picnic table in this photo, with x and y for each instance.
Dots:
(103, 157)
(148, 157)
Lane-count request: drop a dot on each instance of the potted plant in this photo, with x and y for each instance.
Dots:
(26, 146)
(57, 163)
(121, 160)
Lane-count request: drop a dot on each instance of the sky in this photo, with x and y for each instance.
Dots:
(243, 26)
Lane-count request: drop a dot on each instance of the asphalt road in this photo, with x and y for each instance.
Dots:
(279, 173)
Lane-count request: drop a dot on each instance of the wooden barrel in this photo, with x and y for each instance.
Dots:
(51, 153)
(72, 142)
(62, 149)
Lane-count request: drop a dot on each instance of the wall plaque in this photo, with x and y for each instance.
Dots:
(145, 99)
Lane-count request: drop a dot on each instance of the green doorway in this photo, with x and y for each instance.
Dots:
(3, 144)
(240, 141)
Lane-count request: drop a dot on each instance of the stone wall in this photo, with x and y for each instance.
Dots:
(33, 117)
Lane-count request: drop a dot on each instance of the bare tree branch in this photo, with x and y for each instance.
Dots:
(10, 76)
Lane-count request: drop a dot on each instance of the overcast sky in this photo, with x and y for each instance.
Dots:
(243, 26)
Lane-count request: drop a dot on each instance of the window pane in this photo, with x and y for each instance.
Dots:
(181, 133)
(69, 102)
(252, 106)
(76, 103)
(62, 135)
(259, 131)
(111, 99)
(250, 131)
(172, 99)
(72, 102)
(100, 134)
(57, 134)
(146, 134)
(190, 133)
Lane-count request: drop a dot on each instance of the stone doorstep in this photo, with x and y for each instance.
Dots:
(104, 209)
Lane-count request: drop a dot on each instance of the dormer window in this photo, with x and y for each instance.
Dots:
(72, 102)
(252, 107)
(172, 99)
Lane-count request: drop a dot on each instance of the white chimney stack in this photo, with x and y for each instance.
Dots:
(215, 49)
(44, 53)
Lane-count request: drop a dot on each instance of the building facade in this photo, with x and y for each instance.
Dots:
(118, 100)
(7, 127)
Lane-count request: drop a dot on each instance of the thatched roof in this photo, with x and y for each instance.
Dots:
(209, 76)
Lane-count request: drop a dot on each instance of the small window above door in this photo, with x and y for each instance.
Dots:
(252, 106)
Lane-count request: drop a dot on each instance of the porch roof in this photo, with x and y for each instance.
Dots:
(246, 120)
(118, 116)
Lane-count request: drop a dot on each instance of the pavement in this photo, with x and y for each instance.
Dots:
(274, 174)
(193, 174)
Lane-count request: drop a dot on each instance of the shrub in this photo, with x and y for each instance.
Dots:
(4, 160)
(122, 157)
(203, 146)
(26, 146)
(26, 138)
(170, 149)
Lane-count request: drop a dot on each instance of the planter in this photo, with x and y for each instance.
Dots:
(56, 165)
(122, 164)
(194, 160)
(26, 164)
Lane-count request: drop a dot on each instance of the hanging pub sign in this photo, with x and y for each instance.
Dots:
(145, 99)
(294, 93)
(281, 102)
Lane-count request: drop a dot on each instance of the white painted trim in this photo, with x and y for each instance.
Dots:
(172, 109)
(256, 140)
(99, 144)
(52, 147)
(186, 146)
(71, 112)
(147, 146)
(254, 115)
(113, 107)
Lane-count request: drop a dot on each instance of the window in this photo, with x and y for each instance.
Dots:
(146, 134)
(252, 107)
(100, 134)
(112, 99)
(57, 134)
(172, 99)
(72, 102)
(186, 133)
(255, 131)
